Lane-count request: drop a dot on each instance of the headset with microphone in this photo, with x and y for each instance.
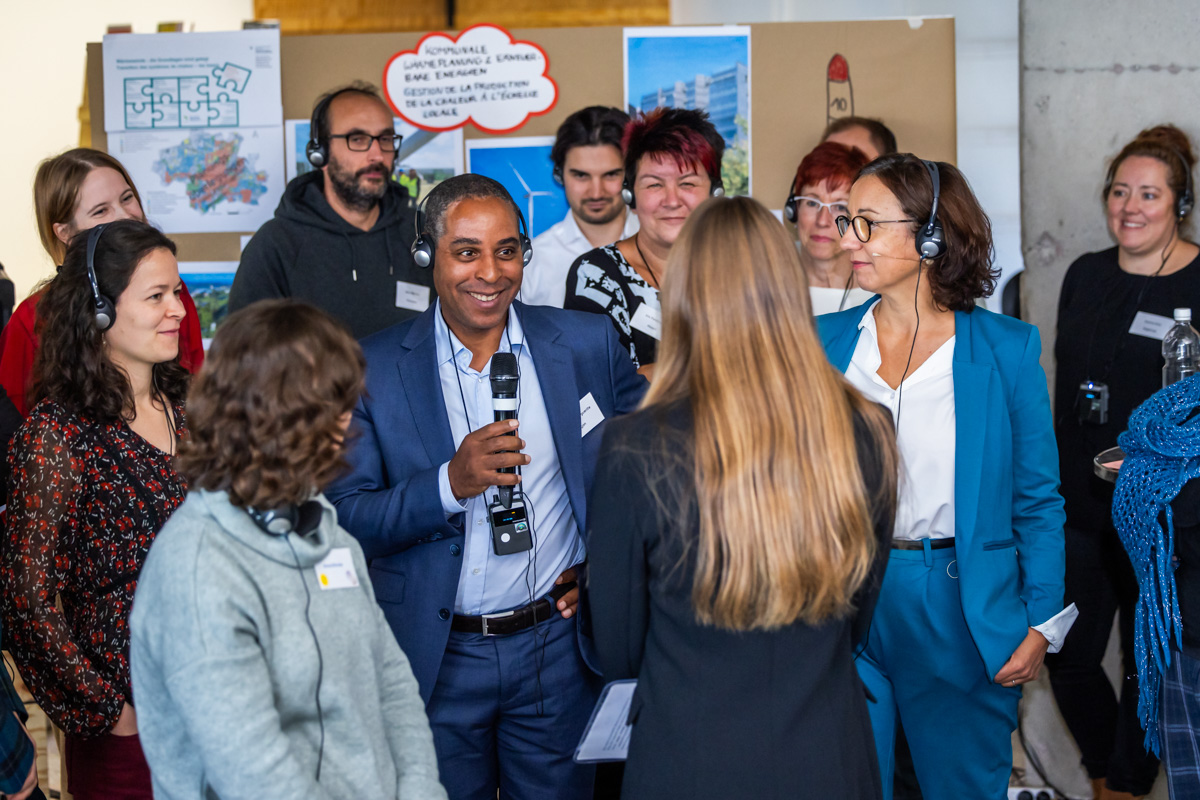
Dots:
(105, 309)
(718, 189)
(1184, 203)
(422, 249)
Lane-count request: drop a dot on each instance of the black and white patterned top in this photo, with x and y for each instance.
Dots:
(604, 282)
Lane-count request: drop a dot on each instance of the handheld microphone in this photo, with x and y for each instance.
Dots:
(504, 379)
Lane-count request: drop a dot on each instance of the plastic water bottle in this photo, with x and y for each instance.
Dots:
(1180, 349)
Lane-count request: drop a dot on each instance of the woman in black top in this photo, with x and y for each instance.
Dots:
(672, 165)
(742, 560)
(1114, 309)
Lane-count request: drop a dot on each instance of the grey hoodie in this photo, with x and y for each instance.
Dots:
(225, 668)
(310, 253)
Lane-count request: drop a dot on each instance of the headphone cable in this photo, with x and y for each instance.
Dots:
(320, 658)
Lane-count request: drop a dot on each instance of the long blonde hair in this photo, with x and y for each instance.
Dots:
(786, 532)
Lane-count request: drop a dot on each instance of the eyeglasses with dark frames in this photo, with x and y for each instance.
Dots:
(361, 142)
(862, 226)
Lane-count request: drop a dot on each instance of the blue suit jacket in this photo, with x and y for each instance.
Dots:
(389, 500)
(1008, 514)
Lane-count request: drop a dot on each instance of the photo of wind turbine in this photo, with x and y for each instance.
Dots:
(529, 195)
(522, 165)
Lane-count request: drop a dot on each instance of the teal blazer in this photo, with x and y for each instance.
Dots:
(1008, 514)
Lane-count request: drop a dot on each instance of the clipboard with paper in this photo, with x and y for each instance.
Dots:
(606, 737)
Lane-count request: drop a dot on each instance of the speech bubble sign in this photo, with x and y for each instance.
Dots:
(484, 76)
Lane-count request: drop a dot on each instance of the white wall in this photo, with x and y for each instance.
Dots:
(43, 53)
(987, 89)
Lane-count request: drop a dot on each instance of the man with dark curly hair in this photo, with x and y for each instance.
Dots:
(489, 625)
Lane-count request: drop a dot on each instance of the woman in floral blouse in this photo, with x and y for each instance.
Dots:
(91, 484)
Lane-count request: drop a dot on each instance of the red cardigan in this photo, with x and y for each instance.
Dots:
(18, 344)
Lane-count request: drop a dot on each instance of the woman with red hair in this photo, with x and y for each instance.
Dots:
(818, 197)
(672, 165)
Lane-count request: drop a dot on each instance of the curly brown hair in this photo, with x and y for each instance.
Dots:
(966, 272)
(72, 366)
(265, 411)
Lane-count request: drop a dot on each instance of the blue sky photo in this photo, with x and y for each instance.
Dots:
(533, 164)
(658, 61)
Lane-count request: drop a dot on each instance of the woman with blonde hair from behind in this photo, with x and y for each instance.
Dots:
(739, 533)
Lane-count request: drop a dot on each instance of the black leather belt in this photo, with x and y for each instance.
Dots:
(515, 621)
(919, 544)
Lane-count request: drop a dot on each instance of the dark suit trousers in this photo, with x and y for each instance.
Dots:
(508, 711)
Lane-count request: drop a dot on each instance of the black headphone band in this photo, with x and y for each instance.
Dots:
(935, 177)
(94, 239)
(422, 250)
(320, 111)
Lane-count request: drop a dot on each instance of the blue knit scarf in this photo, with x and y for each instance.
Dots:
(1162, 453)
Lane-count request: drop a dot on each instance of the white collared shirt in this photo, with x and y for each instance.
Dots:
(554, 251)
(926, 438)
(487, 582)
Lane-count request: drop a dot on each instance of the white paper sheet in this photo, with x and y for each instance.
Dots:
(607, 735)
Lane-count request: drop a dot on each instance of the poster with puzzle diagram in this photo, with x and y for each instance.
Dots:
(197, 119)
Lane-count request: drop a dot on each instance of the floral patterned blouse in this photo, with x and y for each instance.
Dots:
(85, 503)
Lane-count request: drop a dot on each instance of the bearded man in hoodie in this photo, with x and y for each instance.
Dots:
(340, 238)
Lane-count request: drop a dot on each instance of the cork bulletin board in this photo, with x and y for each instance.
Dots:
(801, 73)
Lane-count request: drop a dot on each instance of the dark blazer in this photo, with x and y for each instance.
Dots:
(717, 714)
(389, 500)
(1008, 514)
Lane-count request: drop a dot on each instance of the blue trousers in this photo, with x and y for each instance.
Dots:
(921, 666)
(508, 711)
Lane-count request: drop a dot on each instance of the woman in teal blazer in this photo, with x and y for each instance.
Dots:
(973, 594)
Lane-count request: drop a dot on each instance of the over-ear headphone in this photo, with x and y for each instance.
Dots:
(558, 175)
(718, 189)
(302, 519)
(930, 241)
(317, 149)
(105, 309)
(789, 206)
(422, 249)
(1184, 203)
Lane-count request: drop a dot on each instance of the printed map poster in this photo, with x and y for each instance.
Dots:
(208, 283)
(192, 80)
(706, 68)
(522, 165)
(197, 119)
(206, 180)
(433, 156)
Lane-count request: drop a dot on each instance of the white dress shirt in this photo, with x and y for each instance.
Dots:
(489, 583)
(554, 251)
(926, 438)
(827, 300)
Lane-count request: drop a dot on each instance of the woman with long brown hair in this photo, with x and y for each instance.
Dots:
(92, 481)
(738, 533)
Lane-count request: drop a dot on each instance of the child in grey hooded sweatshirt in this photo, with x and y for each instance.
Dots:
(262, 665)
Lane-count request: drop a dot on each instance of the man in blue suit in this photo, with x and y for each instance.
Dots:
(501, 658)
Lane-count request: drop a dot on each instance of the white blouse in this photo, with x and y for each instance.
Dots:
(923, 407)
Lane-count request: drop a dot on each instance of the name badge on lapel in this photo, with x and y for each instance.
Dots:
(590, 414)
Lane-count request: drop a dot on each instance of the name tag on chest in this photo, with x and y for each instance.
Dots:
(412, 296)
(336, 570)
(590, 414)
(647, 320)
(1152, 326)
